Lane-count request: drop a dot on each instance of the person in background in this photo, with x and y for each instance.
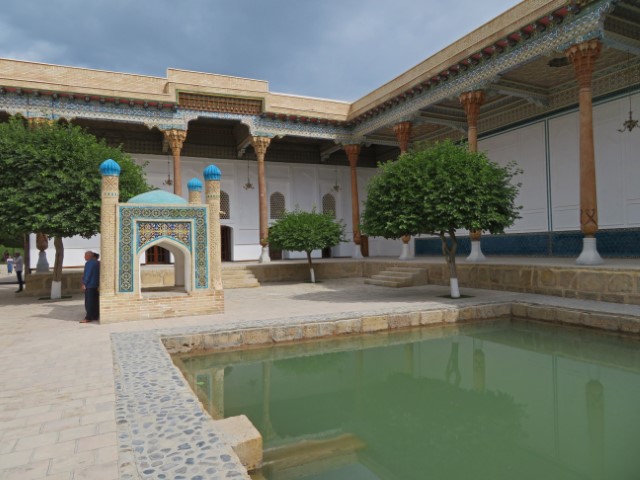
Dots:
(18, 265)
(90, 284)
(9, 261)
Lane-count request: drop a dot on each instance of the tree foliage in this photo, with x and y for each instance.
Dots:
(300, 231)
(50, 182)
(437, 190)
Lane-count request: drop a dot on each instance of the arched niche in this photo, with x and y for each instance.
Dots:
(183, 274)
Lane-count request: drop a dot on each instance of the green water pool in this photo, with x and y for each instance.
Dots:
(497, 400)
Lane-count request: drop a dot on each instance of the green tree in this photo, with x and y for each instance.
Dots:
(300, 231)
(437, 190)
(50, 182)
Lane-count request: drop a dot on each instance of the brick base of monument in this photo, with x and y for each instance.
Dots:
(125, 308)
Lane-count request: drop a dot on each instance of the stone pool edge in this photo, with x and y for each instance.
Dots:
(162, 430)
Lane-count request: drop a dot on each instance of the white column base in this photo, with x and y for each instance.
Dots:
(264, 255)
(589, 255)
(476, 254)
(56, 290)
(406, 252)
(356, 251)
(43, 265)
(455, 291)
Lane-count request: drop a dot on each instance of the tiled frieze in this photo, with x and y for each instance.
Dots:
(30, 105)
(151, 231)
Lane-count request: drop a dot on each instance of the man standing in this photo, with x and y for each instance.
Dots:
(90, 284)
(18, 265)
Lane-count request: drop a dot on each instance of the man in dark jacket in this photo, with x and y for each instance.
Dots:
(90, 284)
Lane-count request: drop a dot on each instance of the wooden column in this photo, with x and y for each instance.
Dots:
(175, 139)
(403, 134)
(260, 145)
(583, 57)
(353, 152)
(471, 102)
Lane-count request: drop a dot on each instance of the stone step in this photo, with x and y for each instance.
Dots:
(404, 269)
(383, 283)
(401, 281)
(397, 277)
(238, 278)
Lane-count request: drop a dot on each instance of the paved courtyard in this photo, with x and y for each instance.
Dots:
(57, 402)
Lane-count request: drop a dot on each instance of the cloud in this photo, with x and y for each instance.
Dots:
(340, 49)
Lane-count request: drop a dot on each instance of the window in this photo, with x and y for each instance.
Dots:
(225, 206)
(329, 205)
(276, 205)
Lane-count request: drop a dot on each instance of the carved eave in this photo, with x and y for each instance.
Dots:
(283, 117)
(476, 59)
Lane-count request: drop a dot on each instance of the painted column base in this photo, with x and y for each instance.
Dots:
(56, 290)
(264, 255)
(589, 255)
(43, 265)
(406, 252)
(356, 251)
(455, 290)
(476, 254)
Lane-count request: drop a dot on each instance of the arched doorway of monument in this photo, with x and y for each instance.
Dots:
(225, 243)
(170, 270)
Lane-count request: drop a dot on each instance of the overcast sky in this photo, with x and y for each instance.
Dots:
(338, 49)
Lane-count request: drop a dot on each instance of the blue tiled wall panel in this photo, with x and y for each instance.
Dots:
(611, 243)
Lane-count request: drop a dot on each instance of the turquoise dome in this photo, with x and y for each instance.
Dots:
(157, 197)
(212, 173)
(194, 185)
(110, 168)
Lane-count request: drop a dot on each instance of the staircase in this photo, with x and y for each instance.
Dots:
(238, 277)
(397, 277)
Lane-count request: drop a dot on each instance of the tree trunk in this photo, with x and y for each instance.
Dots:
(56, 281)
(450, 255)
(312, 273)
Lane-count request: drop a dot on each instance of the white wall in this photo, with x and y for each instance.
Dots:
(526, 147)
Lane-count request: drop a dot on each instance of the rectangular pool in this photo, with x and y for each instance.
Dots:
(492, 400)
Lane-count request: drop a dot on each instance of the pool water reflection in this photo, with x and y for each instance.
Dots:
(503, 399)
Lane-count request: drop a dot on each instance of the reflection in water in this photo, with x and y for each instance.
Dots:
(491, 401)
(594, 392)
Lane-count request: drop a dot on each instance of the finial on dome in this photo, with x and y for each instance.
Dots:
(110, 168)
(194, 185)
(212, 173)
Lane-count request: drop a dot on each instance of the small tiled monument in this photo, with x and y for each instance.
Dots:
(189, 230)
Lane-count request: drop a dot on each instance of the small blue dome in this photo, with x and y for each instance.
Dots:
(195, 185)
(157, 197)
(110, 168)
(212, 173)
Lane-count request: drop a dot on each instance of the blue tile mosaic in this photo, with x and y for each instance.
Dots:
(624, 242)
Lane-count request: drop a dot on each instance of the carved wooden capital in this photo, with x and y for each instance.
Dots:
(260, 145)
(353, 152)
(176, 139)
(583, 56)
(42, 241)
(471, 102)
(34, 122)
(403, 133)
